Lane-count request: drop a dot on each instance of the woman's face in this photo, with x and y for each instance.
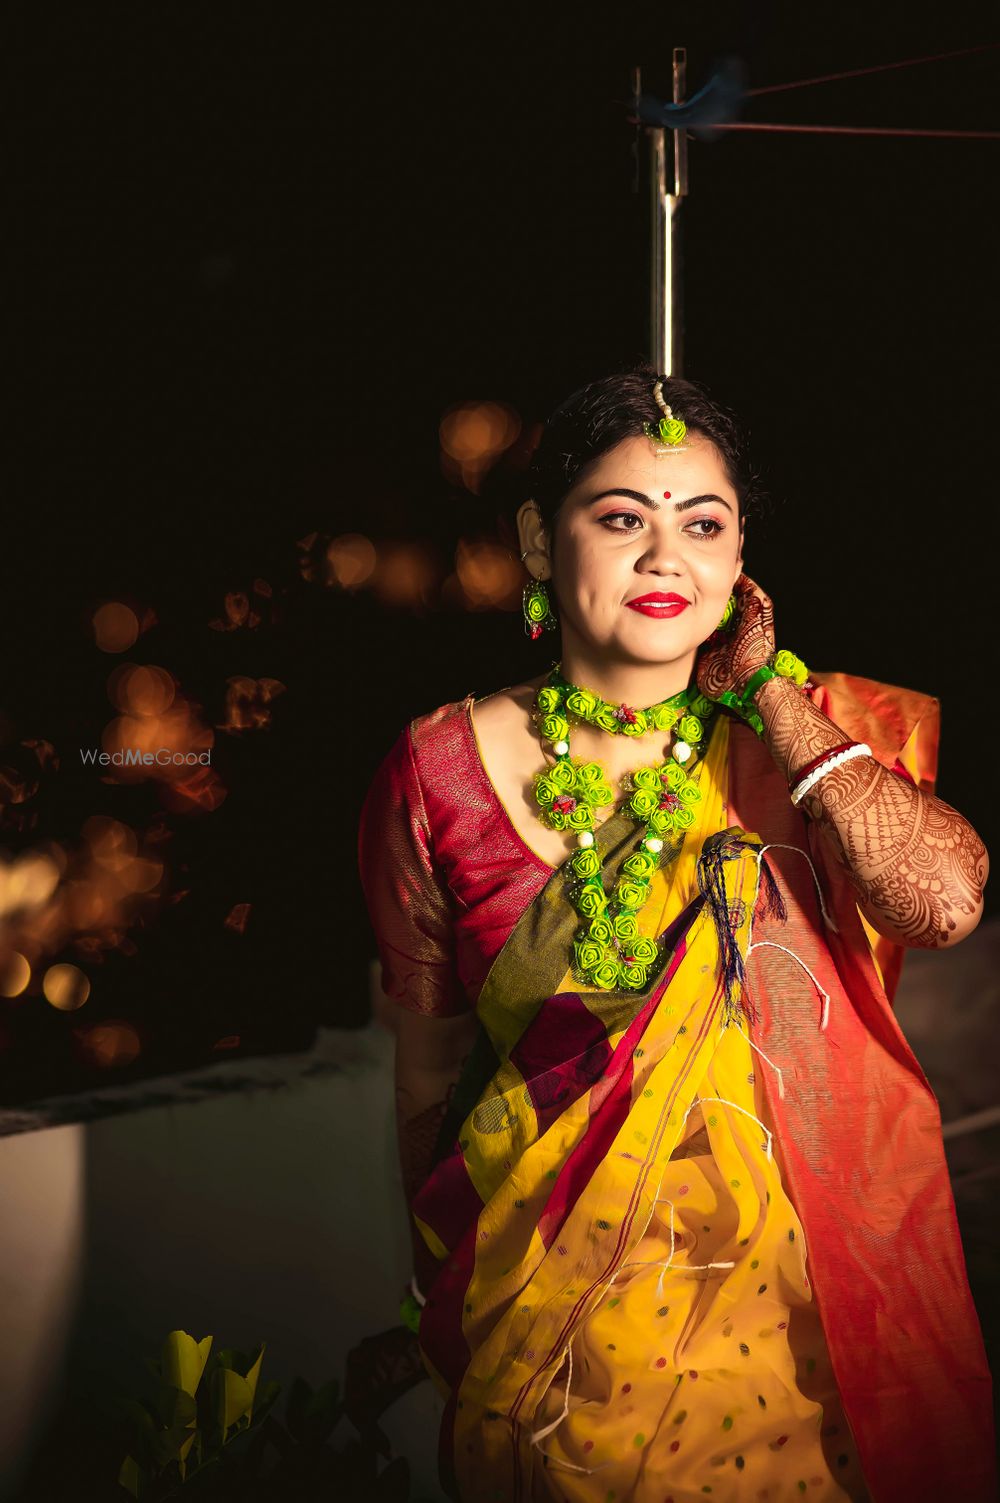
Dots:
(640, 527)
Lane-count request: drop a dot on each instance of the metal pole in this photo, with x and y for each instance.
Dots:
(675, 286)
(668, 184)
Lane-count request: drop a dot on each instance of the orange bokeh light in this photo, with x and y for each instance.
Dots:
(350, 560)
(109, 1044)
(66, 987)
(116, 627)
(489, 575)
(15, 974)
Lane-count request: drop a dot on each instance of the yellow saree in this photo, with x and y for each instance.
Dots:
(624, 1310)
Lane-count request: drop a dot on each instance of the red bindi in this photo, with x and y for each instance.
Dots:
(666, 495)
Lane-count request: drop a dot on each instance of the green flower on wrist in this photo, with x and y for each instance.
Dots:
(601, 931)
(702, 707)
(606, 975)
(683, 818)
(788, 665)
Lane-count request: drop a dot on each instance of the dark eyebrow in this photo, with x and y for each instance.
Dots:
(652, 505)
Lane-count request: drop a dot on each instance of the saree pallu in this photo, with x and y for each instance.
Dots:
(623, 1309)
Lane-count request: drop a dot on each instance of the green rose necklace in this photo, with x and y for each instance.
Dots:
(608, 950)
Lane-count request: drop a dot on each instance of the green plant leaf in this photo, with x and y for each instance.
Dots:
(170, 1444)
(131, 1478)
(184, 1360)
(232, 1400)
(174, 1406)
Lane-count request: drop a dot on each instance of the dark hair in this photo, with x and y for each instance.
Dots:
(603, 413)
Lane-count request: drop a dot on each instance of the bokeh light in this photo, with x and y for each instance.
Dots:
(15, 973)
(407, 574)
(108, 1044)
(350, 560)
(473, 435)
(489, 575)
(116, 627)
(66, 987)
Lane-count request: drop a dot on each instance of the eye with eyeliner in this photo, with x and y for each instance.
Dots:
(611, 516)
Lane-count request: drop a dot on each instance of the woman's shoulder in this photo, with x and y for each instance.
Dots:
(496, 714)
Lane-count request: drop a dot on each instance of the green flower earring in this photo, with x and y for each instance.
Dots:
(537, 608)
(727, 614)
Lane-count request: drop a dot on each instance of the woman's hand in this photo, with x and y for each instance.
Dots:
(730, 658)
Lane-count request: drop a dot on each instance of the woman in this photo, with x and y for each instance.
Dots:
(683, 1220)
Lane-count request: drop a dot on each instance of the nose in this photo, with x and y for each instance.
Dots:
(663, 554)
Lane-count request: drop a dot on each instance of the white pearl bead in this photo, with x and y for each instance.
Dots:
(585, 838)
(561, 748)
(653, 844)
(681, 751)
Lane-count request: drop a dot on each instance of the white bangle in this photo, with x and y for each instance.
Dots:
(859, 749)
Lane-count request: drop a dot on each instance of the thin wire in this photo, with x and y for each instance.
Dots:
(909, 62)
(859, 130)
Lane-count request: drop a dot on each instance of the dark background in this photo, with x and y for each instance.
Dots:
(261, 252)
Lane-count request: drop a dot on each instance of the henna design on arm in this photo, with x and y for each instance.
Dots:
(917, 865)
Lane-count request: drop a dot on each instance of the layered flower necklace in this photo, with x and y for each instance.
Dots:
(608, 950)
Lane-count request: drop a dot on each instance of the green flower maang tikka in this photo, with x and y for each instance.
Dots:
(670, 432)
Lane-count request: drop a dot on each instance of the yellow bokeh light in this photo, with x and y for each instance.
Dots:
(15, 974)
(66, 987)
(28, 882)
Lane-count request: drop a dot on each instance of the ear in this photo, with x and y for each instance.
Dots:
(533, 539)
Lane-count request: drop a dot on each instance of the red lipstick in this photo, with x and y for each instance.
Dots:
(658, 604)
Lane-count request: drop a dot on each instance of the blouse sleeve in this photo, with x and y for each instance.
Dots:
(405, 890)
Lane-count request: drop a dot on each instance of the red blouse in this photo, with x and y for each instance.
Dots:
(446, 876)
